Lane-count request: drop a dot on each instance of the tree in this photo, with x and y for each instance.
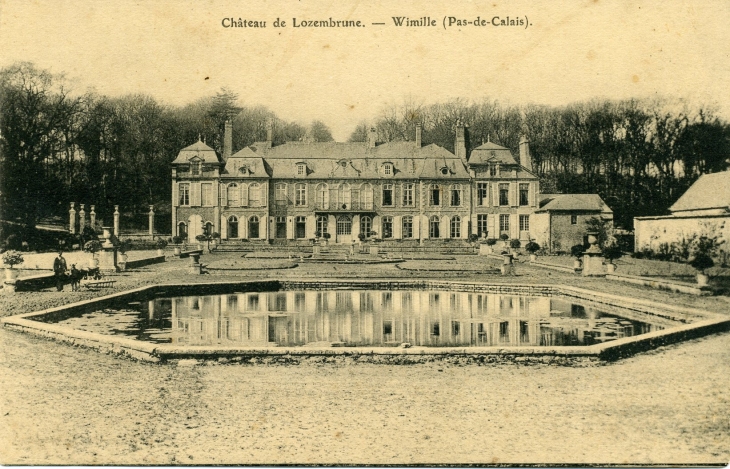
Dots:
(319, 132)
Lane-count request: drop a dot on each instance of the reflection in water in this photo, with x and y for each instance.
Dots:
(375, 318)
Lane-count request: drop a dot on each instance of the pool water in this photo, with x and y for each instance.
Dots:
(429, 318)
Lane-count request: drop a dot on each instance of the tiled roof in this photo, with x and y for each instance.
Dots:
(490, 152)
(199, 150)
(709, 191)
(245, 163)
(573, 202)
(358, 161)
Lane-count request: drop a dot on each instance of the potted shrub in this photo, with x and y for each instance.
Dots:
(176, 240)
(577, 251)
(532, 247)
(215, 236)
(473, 238)
(611, 252)
(93, 247)
(12, 258)
(200, 239)
(702, 261)
(160, 244)
(326, 237)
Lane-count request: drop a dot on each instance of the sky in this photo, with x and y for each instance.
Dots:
(178, 51)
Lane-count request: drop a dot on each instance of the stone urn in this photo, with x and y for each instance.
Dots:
(177, 250)
(577, 264)
(533, 257)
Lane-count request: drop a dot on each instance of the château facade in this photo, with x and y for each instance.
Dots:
(393, 191)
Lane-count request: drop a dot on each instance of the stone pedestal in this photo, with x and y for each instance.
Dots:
(116, 221)
(151, 217)
(485, 249)
(8, 287)
(593, 265)
(316, 250)
(508, 267)
(107, 257)
(72, 219)
(92, 217)
(374, 250)
(195, 267)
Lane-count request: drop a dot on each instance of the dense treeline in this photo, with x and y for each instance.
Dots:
(639, 155)
(57, 146)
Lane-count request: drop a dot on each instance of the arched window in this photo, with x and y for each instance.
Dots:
(456, 227)
(433, 227)
(367, 196)
(322, 196)
(234, 196)
(208, 230)
(387, 227)
(345, 196)
(254, 195)
(300, 194)
(233, 227)
(366, 225)
(456, 195)
(182, 230)
(344, 225)
(407, 227)
(253, 227)
(322, 225)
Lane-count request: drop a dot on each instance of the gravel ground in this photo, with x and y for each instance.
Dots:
(67, 405)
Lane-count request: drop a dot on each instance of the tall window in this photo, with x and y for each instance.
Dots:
(455, 195)
(300, 227)
(254, 195)
(233, 227)
(435, 195)
(433, 227)
(524, 222)
(482, 193)
(367, 196)
(253, 227)
(493, 170)
(280, 194)
(345, 196)
(184, 194)
(234, 195)
(504, 223)
(387, 195)
(387, 227)
(208, 229)
(408, 195)
(300, 191)
(366, 225)
(206, 194)
(524, 194)
(456, 227)
(195, 168)
(407, 227)
(182, 230)
(322, 196)
(322, 224)
(504, 194)
(481, 225)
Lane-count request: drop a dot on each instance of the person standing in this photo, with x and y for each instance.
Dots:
(59, 270)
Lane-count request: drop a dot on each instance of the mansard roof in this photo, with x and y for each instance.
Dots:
(710, 191)
(197, 150)
(245, 163)
(491, 153)
(358, 160)
(573, 202)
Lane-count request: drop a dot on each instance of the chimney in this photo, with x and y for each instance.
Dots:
(372, 137)
(460, 145)
(269, 132)
(418, 135)
(525, 158)
(227, 140)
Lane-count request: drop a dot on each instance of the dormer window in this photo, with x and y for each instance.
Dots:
(388, 169)
(445, 171)
(301, 169)
(195, 168)
(493, 170)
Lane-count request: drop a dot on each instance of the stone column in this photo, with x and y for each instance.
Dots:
(92, 216)
(152, 220)
(116, 220)
(82, 218)
(72, 219)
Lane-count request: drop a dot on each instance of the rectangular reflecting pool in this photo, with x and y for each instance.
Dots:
(348, 318)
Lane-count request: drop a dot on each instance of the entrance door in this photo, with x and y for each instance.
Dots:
(344, 229)
(301, 228)
(281, 227)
